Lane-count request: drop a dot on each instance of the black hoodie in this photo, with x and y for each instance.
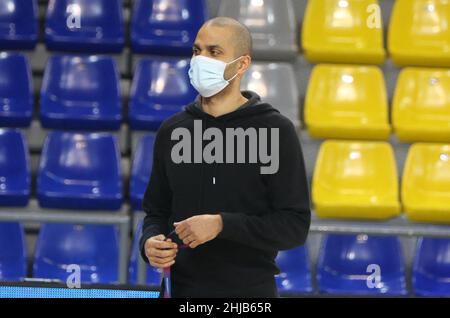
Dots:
(261, 213)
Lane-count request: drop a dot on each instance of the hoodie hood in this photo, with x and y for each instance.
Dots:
(253, 107)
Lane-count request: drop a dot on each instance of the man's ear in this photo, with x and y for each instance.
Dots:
(244, 64)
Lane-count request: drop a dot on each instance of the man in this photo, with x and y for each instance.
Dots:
(232, 216)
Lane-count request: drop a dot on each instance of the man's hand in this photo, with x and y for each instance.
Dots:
(199, 229)
(160, 253)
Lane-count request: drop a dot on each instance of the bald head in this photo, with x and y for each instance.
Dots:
(241, 38)
(226, 40)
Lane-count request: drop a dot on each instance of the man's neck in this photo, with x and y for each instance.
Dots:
(223, 103)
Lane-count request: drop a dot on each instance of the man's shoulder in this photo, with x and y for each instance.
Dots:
(176, 120)
(275, 119)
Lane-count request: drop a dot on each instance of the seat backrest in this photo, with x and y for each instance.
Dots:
(294, 261)
(433, 257)
(19, 16)
(351, 254)
(162, 82)
(14, 159)
(12, 242)
(427, 170)
(169, 14)
(354, 164)
(423, 91)
(77, 244)
(143, 159)
(347, 89)
(273, 18)
(98, 18)
(15, 77)
(276, 85)
(425, 21)
(76, 78)
(81, 156)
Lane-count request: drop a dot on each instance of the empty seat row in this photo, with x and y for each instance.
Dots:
(75, 155)
(157, 26)
(295, 276)
(359, 180)
(342, 101)
(346, 264)
(340, 31)
(333, 31)
(160, 27)
(92, 247)
(77, 171)
(82, 89)
(83, 92)
(161, 87)
(352, 179)
(351, 102)
(374, 265)
(344, 31)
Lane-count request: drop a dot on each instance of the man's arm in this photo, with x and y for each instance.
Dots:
(157, 198)
(288, 225)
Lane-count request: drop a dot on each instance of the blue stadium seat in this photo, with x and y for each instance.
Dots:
(16, 92)
(153, 275)
(18, 24)
(166, 27)
(15, 173)
(295, 274)
(81, 93)
(80, 171)
(141, 170)
(13, 253)
(85, 26)
(160, 88)
(94, 248)
(345, 265)
(431, 269)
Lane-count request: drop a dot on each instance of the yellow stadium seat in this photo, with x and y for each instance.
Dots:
(419, 33)
(421, 105)
(356, 179)
(426, 183)
(344, 101)
(343, 31)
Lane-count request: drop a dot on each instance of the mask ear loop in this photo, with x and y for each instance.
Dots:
(229, 80)
(232, 78)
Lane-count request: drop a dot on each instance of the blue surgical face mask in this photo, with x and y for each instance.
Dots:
(207, 75)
